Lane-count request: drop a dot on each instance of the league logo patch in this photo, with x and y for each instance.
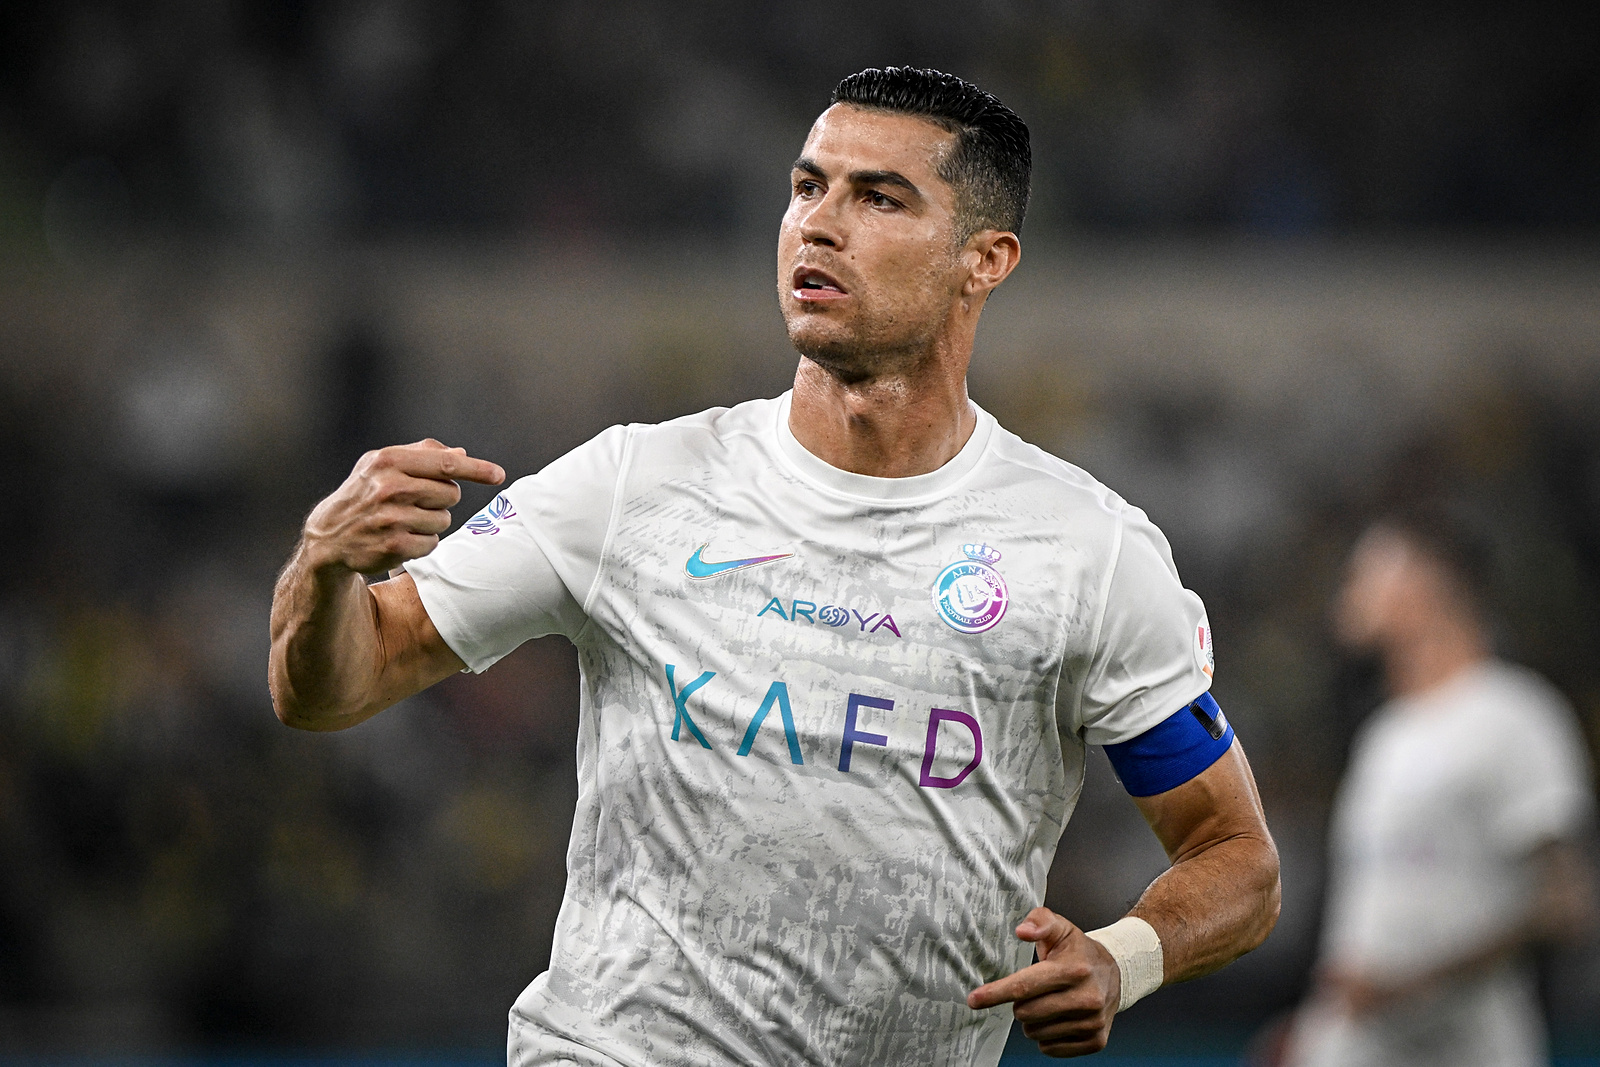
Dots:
(1203, 653)
(487, 521)
(970, 595)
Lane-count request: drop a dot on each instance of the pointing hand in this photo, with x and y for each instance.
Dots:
(393, 507)
(1066, 1000)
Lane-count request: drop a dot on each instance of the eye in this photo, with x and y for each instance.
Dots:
(879, 199)
(806, 187)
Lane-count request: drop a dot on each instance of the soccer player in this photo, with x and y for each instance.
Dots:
(1453, 834)
(842, 652)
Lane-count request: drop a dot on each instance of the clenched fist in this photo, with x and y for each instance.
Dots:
(392, 508)
(1066, 1000)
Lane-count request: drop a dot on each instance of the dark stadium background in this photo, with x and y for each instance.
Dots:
(1286, 263)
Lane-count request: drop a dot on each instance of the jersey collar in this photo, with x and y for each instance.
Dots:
(916, 489)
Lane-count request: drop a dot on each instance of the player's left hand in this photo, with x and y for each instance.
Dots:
(1355, 993)
(1066, 1000)
(1359, 994)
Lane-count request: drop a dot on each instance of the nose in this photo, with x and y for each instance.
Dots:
(820, 223)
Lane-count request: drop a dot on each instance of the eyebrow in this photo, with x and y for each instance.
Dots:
(862, 177)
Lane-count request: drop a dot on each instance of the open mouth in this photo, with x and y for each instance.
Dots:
(809, 283)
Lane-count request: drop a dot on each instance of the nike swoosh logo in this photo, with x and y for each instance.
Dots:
(698, 569)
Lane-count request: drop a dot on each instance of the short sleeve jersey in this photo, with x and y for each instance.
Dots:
(1447, 795)
(831, 728)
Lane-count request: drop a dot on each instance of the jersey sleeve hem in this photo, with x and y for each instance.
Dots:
(1177, 695)
(452, 628)
(1552, 813)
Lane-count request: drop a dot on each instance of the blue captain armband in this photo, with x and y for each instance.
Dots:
(1174, 750)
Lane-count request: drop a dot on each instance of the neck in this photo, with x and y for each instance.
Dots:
(894, 425)
(1433, 657)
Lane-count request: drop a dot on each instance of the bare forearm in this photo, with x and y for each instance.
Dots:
(326, 645)
(342, 651)
(1219, 899)
(1562, 911)
(1213, 907)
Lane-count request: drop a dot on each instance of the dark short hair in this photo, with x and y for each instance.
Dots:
(1447, 534)
(992, 163)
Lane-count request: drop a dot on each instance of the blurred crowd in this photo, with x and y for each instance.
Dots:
(305, 121)
(241, 243)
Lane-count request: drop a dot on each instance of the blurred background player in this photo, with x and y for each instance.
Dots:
(1455, 833)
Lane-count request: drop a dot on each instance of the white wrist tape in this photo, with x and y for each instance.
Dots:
(1136, 948)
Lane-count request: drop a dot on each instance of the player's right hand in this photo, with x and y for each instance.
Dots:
(392, 508)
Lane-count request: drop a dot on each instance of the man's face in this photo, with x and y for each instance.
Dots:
(868, 263)
(1392, 592)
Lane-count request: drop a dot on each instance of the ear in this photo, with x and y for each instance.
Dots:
(991, 256)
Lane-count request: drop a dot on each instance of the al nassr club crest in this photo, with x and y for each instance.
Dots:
(969, 594)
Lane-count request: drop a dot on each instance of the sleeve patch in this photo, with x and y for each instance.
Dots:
(1174, 750)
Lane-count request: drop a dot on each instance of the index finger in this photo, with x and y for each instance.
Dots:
(450, 464)
(1034, 980)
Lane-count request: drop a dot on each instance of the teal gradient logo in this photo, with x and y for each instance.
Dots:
(835, 615)
(700, 569)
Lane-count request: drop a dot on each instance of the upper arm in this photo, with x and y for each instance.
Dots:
(1536, 776)
(403, 654)
(1219, 804)
(1145, 698)
(1567, 901)
(413, 654)
(1151, 643)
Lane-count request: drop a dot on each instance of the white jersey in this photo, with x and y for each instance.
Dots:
(1447, 795)
(831, 727)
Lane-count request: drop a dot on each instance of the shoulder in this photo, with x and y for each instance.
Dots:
(1499, 679)
(1532, 747)
(1375, 734)
(1050, 482)
(595, 462)
(1521, 702)
(1085, 513)
(702, 436)
(657, 448)
(750, 418)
